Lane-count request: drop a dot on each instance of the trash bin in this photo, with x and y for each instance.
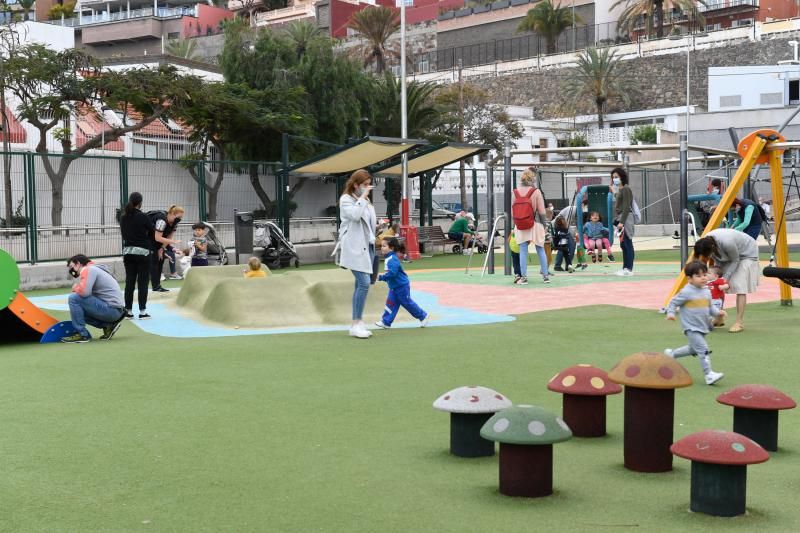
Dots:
(243, 235)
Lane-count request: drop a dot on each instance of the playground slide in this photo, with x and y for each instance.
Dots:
(21, 320)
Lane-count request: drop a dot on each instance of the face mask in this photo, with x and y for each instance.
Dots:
(74, 273)
(363, 189)
(715, 190)
(617, 182)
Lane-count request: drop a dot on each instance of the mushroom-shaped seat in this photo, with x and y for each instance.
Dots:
(719, 470)
(650, 381)
(755, 412)
(585, 388)
(469, 408)
(526, 434)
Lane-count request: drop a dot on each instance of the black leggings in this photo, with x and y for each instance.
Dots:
(156, 268)
(137, 268)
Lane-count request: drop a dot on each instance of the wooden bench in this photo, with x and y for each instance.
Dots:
(434, 236)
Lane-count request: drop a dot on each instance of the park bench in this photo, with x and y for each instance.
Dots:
(434, 236)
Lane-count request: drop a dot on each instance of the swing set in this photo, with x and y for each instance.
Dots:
(759, 147)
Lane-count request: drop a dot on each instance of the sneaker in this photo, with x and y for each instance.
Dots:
(360, 332)
(516, 279)
(594, 258)
(669, 353)
(160, 289)
(624, 272)
(712, 377)
(380, 324)
(109, 331)
(144, 316)
(75, 339)
(545, 279)
(163, 277)
(611, 258)
(570, 269)
(175, 276)
(559, 269)
(584, 266)
(600, 257)
(522, 281)
(127, 314)
(424, 322)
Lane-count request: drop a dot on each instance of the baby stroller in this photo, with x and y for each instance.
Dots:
(278, 251)
(216, 250)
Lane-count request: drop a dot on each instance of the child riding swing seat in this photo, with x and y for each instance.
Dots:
(599, 199)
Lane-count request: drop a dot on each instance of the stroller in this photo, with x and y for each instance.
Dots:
(216, 250)
(278, 251)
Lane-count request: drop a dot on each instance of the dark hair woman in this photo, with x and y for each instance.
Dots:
(137, 231)
(748, 217)
(623, 205)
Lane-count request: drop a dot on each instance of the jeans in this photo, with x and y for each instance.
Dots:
(627, 252)
(199, 261)
(137, 268)
(523, 260)
(401, 296)
(362, 288)
(561, 256)
(93, 311)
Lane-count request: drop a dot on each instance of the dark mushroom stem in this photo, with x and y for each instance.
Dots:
(761, 425)
(465, 435)
(585, 415)
(649, 415)
(718, 490)
(526, 470)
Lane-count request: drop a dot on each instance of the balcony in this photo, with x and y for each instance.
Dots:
(298, 11)
(715, 5)
(105, 17)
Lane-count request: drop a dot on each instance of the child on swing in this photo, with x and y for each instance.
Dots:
(595, 238)
(399, 286)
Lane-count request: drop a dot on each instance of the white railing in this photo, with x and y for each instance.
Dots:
(101, 18)
(712, 5)
(613, 135)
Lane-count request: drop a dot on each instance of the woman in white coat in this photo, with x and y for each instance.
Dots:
(357, 242)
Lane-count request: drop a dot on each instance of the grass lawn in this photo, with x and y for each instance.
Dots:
(321, 432)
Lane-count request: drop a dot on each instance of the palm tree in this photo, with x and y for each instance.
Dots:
(376, 25)
(26, 6)
(423, 114)
(185, 48)
(301, 33)
(652, 11)
(600, 76)
(549, 21)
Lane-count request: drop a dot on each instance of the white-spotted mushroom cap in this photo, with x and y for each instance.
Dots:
(761, 397)
(471, 399)
(649, 370)
(719, 448)
(527, 425)
(583, 380)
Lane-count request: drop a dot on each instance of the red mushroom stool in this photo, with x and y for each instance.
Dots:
(719, 470)
(585, 388)
(470, 407)
(650, 381)
(526, 434)
(755, 412)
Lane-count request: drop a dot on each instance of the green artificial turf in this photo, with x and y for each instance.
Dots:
(321, 432)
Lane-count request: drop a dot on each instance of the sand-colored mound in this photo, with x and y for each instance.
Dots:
(200, 281)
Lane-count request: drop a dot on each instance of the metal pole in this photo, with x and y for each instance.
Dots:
(574, 40)
(507, 208)
(684, 180)
(283, 208)
(688, 50)
(103, 172)
(490, 213)
(403, 113)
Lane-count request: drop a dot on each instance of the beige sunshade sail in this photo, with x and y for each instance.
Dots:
(351, 157)
(436, 157)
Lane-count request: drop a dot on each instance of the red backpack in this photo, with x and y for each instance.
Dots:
(522, 209)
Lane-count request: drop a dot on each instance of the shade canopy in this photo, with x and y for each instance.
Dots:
(434, 157)
(360, 154)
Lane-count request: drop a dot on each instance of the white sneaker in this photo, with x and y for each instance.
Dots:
(163, 277)
(380, 324)
(570, 269)
(360, 332)
(424, 322)
(712, 377)
(624, 272)
(668, 353)
(465, 252)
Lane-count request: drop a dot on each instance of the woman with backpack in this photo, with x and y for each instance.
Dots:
(528, 213)
(624, 218)
(137, 231)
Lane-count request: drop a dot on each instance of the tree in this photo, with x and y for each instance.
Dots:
(376, 25)
(50, 87)
(9, 43)
(302, 33)
(66, 10)
(600, 76)
(652, 12)
(468, 116)
(26, 6)
(185, 48)
(548, 20)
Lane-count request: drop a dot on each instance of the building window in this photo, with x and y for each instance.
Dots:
(174, 35)
(423, 66)
(730, 101)
(794, 91)
(742, 22)
(616, 125)
(542, 144)
(771, 98)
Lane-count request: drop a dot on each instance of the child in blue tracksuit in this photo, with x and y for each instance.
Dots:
(399, 286)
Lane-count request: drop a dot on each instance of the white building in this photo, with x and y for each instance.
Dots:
(753, 87)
